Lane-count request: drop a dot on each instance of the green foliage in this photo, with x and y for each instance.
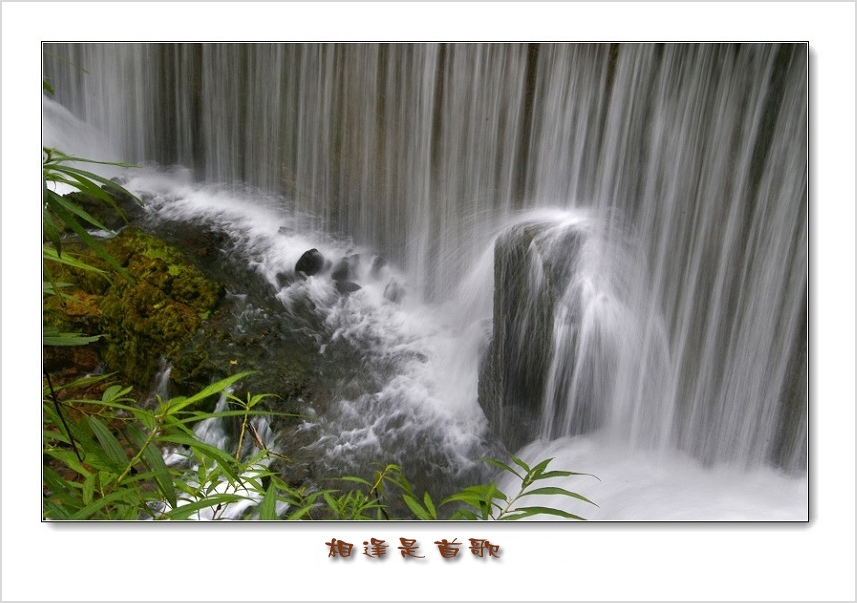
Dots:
(104, 459)
(374, 500)
(488, 502)
(60, 214)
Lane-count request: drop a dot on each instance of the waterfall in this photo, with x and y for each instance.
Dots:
(658, 193)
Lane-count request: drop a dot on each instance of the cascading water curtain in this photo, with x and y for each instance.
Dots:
(692, 158)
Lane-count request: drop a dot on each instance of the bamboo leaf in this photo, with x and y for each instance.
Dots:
(429, 505)
(540, 468)
(88, 187)
(332, 503)
(111, 445)
(522, 512)
(184, 511)
(300, 513)
(48, 253)
(268, 507)
(521, 464)
(83, 382)
(550, 474)
(465, 514)
(52, 510)
(177, 404)
(356, 480)
(75, 209)
(52, 337)
(224, 460)
(415, 507)
(59, 156)
(50, 230)
(471, 499)
(110, 392)
(502, 466)
(89, 488)
(558, 491)
(155, 461)
(91, 242)
(91, 509)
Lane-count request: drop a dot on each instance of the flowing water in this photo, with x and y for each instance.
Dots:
(591, 252)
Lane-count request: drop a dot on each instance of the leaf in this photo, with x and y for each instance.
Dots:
(83, 382)
(540, 468)
(155, 461)
(59, 156)
(471, 499)
(91, 242)
(111, 445)
(224, 461)
(52, 337)
(91, 509)
(521, 464)
(300, 512)
(177, 404)
(75, 209)
(465, 514)
(110, 393)
(550, 474)
(522, 512)
(50, 230)
(186, 510)
(54, 511)
(332, 503)
(502, 466)
(89, 488)
(429, 505)
(559, 491)
(416, 507)
(356, 480)
(268, 507)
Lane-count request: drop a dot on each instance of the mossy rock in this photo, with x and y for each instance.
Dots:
(154, 315)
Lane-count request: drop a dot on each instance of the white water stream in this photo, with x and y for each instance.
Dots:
(686, 166)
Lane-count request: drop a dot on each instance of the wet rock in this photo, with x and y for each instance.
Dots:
(284, 279)
(533, 265)
(346, 287)
(310, 263)
(378, 265)
(394, 292)
(346, 268)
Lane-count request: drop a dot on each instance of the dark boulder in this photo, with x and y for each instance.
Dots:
(394, 292)
(346, 268)
(284, 279)
(310, 263)
(346, 287)
(534, 264)
(378, 265)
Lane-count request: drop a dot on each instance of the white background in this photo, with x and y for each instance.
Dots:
(813, 561)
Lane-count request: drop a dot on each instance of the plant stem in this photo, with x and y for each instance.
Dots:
(62, 418)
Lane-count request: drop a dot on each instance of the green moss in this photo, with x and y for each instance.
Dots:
(155, 315)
